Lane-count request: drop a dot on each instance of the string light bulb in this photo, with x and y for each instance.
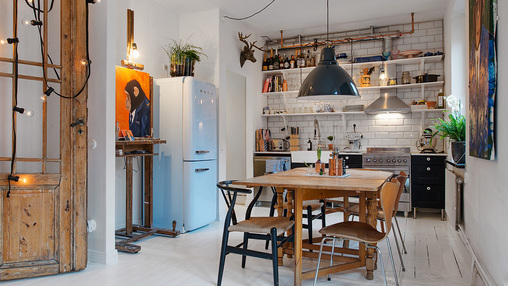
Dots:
(28, 22)
(84, 62)
(26, 112)
(47, 93)
(9, 41)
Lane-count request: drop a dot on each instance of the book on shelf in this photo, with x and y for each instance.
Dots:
(273, 84)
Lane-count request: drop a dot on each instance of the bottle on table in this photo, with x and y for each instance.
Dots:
(265, 64)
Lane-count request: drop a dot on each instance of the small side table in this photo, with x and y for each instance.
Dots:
(142, 147)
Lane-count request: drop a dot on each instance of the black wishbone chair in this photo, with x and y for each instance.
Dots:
(262, 228)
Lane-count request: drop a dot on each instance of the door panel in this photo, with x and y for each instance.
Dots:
(199, 120)
(29, 226)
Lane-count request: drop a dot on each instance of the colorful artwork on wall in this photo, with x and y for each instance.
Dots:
(482, 77)
(133, 101)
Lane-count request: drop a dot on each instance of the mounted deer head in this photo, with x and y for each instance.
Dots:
(247, 52)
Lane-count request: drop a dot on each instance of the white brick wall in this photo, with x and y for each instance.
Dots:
(378, 130)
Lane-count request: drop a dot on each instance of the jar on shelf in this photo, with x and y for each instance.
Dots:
(406, 77)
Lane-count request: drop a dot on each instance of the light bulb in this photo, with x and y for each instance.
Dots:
(43, 98)
(28, 113)
(84, 62)
(135, 53)
(3, 41)
(26, 22)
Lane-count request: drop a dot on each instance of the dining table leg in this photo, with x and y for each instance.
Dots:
(298, 199)
(280, 213)
(372, 220)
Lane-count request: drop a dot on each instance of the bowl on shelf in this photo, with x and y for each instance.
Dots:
(431, 104)
(395, 54)
(410, 53)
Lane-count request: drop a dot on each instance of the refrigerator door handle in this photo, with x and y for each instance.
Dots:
(202, 151)
(202, 169)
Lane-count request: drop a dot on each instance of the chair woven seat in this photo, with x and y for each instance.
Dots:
(263, 225)
(354, 230)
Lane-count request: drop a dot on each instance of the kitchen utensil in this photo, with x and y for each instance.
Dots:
(426, 78)
(425, 144)
(410, 53)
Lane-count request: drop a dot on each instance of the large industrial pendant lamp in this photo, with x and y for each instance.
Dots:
(328, 81)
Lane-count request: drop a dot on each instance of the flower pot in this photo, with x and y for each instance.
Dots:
(459, 151)
(189, 67)
(177, 67)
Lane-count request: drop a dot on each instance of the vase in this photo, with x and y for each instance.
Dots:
(177, 67)
(459, 151)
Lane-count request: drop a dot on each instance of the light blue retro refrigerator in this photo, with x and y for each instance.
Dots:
(185, 170)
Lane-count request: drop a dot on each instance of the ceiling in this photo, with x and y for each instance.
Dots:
(308, 17)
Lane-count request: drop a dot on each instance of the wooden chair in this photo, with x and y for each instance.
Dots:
(355, 211)
(261, 228)
(364, 233)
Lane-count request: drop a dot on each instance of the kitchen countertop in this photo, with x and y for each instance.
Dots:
(427, 154)
(273, 153)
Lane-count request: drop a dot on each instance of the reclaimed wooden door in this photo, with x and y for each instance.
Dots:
(43, 214)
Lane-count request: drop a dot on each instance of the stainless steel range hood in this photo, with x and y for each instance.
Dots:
(388, 102)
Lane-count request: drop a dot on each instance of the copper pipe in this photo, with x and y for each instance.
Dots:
(354, 39)
(30, 63)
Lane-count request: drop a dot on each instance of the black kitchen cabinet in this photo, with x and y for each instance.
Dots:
(428, 182)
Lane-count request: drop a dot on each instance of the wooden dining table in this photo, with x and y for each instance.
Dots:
(302, 185)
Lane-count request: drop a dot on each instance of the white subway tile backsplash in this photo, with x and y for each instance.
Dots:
(425, 25)
(403, 130)
(435, 31)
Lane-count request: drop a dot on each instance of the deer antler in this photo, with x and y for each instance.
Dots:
(242, 38)
(253, 44)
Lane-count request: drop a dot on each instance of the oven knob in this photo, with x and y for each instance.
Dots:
(387, 160)
(399, 160)
(375, 160)
(367, 160)
(405, 160)
(380, 160)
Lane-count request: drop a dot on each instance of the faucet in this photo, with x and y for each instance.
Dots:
(318, 132)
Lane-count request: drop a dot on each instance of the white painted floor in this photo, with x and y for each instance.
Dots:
(436, 256)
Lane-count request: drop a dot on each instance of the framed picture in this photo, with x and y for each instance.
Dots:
(133, 102)
(482, 77)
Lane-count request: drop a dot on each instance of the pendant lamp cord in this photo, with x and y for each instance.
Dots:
(327, 22)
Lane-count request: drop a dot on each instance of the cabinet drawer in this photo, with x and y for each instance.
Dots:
(428, 196)
(428, 160)
(427, 174)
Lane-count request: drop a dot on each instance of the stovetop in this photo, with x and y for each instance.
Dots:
(386, 156)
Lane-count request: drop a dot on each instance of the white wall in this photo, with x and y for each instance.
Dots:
(154, 26)
(486, 194)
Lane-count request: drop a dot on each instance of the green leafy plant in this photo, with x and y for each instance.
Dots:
(453, 127)
(330, 138)
(181, 48)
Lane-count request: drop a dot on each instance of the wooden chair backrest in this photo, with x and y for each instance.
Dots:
(388, 196)
(402, 177)
(229, 194)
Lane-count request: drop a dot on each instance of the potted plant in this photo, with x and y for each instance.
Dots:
(454, 127)
(330, 145)
(182, 57)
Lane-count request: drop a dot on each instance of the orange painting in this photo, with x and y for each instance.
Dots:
(133, 101)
